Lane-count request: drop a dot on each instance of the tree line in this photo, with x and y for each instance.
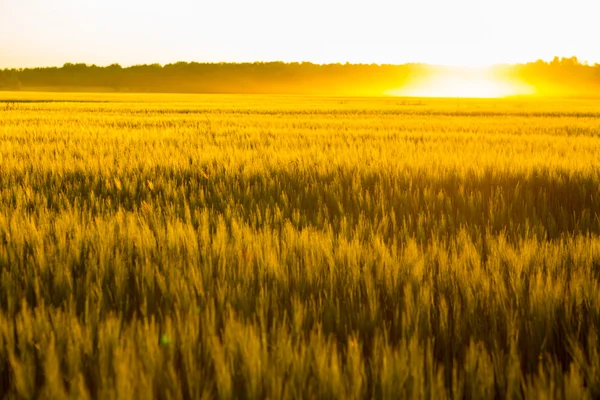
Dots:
(560, 75)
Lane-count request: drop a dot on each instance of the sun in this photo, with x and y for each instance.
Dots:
(462, 82)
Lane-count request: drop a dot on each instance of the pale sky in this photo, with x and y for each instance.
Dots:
(452, 32)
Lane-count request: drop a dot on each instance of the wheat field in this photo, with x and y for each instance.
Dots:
(246, 247)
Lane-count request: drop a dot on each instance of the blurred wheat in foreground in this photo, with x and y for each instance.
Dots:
(248, 247)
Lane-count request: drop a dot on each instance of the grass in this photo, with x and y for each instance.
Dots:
(164, 246)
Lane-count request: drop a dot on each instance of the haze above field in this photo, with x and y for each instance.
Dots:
(462, 32)
(560, 77)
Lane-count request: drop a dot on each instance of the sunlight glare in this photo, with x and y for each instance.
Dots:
(463, 82)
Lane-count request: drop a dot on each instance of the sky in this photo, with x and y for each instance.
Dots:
(448, 32)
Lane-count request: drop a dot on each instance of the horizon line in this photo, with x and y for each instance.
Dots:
(422, 63)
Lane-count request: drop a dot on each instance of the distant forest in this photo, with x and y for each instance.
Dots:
(560, 76)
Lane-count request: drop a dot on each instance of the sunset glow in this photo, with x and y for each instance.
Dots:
(462, 82)
(459, 33)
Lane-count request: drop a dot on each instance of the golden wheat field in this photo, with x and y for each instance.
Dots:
(249, 247)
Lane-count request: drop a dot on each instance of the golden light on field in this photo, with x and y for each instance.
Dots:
(464, 82)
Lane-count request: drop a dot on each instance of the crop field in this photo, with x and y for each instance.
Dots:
(246, 247)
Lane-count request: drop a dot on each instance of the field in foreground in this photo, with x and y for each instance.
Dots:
(294, 247)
